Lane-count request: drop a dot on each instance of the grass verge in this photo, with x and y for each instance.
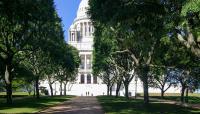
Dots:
(31, 105)
(112, 105)
(193, 98)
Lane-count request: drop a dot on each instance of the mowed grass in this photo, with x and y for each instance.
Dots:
(30, 104)
(193, 98)
(15, 93)
(112, 105)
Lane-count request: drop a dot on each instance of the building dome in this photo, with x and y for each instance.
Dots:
(82, 10)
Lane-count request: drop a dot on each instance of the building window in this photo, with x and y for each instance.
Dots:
(82, 79)
(78, 36)
(82, 65)
(85, 28)
(88, 79)
(72, 36)
(81, 31)
(92, 29)
(95, 79)
(89, 29)
(88, 62)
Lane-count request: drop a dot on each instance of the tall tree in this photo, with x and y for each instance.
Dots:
(160, 78)
(25, 25)
(138, 26)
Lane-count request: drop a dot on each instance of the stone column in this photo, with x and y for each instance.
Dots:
(75, 35)
(69, 35)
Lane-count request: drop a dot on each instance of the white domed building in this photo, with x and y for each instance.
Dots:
(81, 37)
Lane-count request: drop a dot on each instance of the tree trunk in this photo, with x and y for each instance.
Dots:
(186, 98)
(55, 89)
(118, 88)
(34, 90)
(126, 90)
(108, 89)
(61, 88)
(144, 72)
(37, 87)
(51, 88)
(162, 93)
(29, 93)
(65, 89)
(8, 82)
(9, 93)
(182, 93)
(146, 92)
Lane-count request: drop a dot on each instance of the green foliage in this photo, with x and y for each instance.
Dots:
(104, 45)
(137, 29)
(32, 42)
(160, 78)
(190, 6)
(152, 33)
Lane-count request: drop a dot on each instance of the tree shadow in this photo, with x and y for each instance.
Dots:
(132, 106)
(33, 103)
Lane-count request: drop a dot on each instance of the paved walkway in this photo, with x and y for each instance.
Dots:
(77, 105)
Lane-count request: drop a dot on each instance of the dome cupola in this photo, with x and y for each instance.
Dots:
(82, 10)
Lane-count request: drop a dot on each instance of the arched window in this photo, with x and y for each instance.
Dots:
(82, 79)
(88, 79)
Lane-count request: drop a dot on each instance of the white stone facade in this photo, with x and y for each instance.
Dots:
(81, 36)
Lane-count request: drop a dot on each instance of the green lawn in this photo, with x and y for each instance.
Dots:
(112, 105)
(15, 93)
(194, 98)
(31, 105)
(170, 94)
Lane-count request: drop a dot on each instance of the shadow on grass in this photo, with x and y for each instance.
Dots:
(120, 105)
(32, 104)
(191, 99)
